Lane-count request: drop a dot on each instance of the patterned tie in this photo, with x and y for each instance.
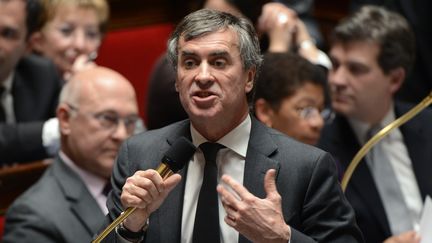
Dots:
(389, 189)
(206, 228)
(2, 110)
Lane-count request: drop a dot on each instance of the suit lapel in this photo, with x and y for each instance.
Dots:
(21, 94)
(170, 212)
(362, 184)
(258, 161)
(418, 146)
(82, 204)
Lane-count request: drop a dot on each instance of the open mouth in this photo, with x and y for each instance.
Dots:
(204, 99)
(203, 94)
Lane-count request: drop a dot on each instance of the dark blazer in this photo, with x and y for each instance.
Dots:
(339, 139)
(58, 208)
(35, 90)
(312, 201)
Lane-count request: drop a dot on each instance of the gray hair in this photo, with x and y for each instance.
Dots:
(70, 93)
(206, 21)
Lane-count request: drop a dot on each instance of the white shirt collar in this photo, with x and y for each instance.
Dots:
(361, 128)
(237, 140)
(94, 184)
(7, 84)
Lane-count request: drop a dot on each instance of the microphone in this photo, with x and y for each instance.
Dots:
(174, 160)
(176, 157)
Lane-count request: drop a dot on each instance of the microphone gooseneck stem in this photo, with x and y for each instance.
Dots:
(164, 172)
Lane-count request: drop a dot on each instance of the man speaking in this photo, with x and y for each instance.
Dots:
(246, 182)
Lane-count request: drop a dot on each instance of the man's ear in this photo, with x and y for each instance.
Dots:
(250, 80)
(63, 116)
(35, 42)
(264, 112)
(397, 77)
(176, 85)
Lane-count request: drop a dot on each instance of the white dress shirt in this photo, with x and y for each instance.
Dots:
(394, 147)
(6, 99)
(230, 161)
(94, 184)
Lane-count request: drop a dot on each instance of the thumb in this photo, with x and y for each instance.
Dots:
(270, 184)
(171, 182)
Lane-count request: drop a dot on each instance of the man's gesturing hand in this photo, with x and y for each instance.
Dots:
(259, 220)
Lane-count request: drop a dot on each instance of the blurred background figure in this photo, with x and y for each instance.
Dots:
(418, 82)
(29, 86)
(97, 112)
(280, 29)
(372, 51)
(290, 96)
(71, 32)
(304, 9)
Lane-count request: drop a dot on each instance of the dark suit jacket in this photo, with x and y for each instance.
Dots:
(339, 139)
(35, 91)
(58, 208)
(312, 201)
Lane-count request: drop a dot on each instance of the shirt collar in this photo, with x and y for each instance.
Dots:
(94, 184)
(361, 128)
(237, 140)
(7, 84)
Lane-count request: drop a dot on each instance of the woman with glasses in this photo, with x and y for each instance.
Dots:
(71, 32)
(291, 96)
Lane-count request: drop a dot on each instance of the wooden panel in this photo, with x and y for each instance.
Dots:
(329, 13)
(133, 13)
(14, 180)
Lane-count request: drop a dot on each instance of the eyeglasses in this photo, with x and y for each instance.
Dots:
(110, 120)
(310, 112)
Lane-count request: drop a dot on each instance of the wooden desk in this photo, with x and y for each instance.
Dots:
(15, 179)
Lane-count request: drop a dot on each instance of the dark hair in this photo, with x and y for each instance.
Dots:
(206, 21)
(282, 74)
(386, 28)
(33, 16)
(251, 9)
(33, 12)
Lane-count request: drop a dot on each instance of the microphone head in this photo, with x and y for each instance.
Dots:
(179, 154)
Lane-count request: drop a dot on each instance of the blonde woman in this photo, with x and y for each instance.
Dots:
(71, 32)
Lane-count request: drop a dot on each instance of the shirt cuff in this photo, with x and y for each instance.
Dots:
(323, 60)
(51, 136)
(124, 240)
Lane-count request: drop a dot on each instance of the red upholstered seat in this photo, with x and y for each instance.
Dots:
(1, 226)
(132, 52)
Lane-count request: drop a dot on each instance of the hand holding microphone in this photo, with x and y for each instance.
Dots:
(145, 191)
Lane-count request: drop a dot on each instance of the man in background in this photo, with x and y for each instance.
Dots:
(29, 87)
(97, 112)
(372, 52)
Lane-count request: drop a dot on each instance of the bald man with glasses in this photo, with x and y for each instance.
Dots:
(96, 113)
